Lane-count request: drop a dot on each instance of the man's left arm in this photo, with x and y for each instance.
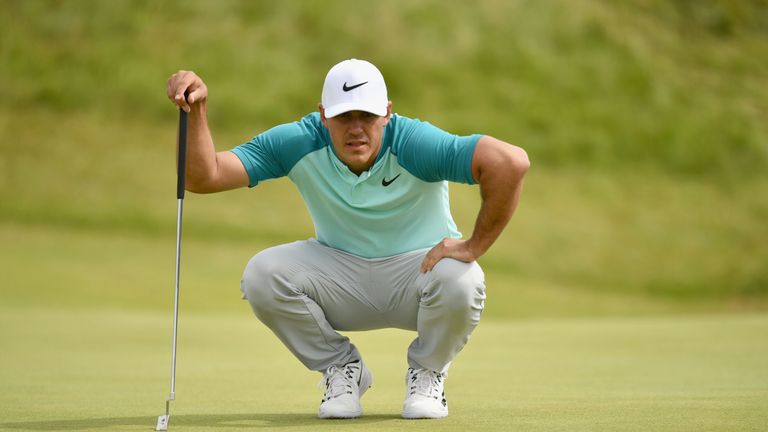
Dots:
(498, 168)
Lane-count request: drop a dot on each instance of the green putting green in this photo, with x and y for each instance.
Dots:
(89, 369)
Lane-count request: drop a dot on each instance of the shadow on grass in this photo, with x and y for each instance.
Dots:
(197, 420)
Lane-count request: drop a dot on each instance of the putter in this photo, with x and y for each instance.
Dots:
(163, 420)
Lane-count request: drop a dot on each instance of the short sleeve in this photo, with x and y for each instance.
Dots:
(273, 153)
(432, 154)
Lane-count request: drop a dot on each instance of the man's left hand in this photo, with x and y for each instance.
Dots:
(448, 248)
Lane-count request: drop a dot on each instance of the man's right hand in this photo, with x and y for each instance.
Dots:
(186, 82)
(207, 170)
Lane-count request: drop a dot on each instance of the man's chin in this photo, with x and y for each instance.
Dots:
(358, 154)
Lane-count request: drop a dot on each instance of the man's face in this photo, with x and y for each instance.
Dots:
(356, 137)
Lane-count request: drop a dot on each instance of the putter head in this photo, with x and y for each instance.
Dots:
(162, 422)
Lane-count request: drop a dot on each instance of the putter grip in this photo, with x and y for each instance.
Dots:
(182, 162)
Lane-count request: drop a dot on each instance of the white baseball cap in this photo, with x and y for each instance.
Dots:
(354, 85)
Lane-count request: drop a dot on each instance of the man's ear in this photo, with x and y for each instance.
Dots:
(389, 112)
(322, 115)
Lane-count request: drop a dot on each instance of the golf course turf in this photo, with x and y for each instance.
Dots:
(87, 370)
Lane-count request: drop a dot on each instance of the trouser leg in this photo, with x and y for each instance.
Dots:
(304, 292)
(286, 286)
(452, 297)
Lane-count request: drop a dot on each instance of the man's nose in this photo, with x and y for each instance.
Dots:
(355, 126)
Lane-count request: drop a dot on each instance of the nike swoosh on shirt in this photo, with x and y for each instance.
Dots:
(386, 183)
(346, 89)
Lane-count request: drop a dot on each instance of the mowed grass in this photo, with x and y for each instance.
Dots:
(85, 369)
(85, 331)
(85, 327)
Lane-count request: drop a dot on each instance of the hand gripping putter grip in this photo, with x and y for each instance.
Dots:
(162, 421)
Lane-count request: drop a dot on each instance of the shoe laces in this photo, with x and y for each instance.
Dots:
(339, 381)
(425, 382)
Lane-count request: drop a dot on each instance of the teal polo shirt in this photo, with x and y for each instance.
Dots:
(399, 205)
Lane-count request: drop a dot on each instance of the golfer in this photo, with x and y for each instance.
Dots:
(387, 253)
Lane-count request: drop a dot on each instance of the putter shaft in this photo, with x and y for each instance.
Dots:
(176, 301)
(163, 420)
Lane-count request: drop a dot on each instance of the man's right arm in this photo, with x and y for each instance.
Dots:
(207, 171)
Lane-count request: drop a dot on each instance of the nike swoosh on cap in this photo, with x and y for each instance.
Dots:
(346, 89)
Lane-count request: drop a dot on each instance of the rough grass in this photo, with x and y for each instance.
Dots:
(680, 86)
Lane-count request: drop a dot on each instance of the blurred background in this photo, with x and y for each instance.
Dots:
(645, 121)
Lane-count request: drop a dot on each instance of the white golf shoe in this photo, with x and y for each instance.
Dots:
(343, 389)
(425, 395)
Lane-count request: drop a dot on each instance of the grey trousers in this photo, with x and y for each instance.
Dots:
(306, 293)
